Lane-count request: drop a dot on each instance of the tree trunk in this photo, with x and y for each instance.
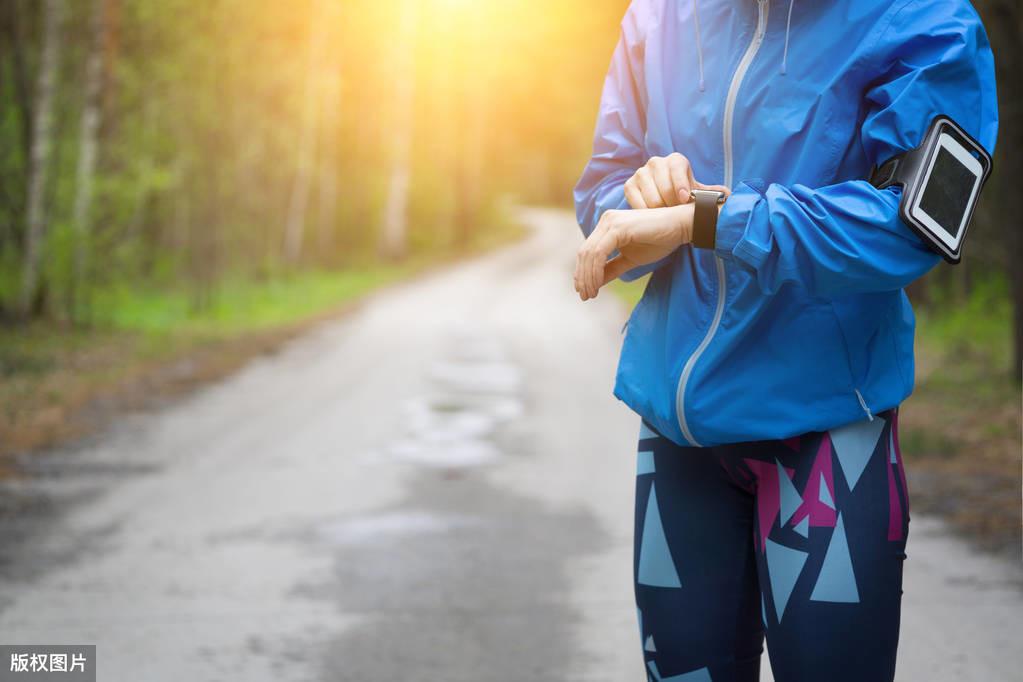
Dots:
(1012, 170)
(330, 106)
(393, 244)
(471, 135)
(46, 85)
(328, 179)
(298, 205)
(87, 146)
(1004, 21)
(22, 88)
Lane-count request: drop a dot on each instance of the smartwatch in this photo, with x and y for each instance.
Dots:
(705, 216)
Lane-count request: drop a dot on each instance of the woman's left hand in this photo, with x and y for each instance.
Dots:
(641, 236)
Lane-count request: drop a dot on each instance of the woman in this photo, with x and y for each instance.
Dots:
(769, 358)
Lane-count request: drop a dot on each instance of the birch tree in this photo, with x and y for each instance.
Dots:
(87, 146)
(46, 84)
(298, 205)
(328, 175)
(393, 242)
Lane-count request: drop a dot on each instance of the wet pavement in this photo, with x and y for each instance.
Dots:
(436, 487)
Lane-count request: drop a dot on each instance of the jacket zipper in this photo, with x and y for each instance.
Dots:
(733, 92)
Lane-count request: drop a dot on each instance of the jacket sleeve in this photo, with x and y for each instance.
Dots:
(618, 149)
(933, 58)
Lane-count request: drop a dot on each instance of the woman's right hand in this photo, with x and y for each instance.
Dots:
(663, 181)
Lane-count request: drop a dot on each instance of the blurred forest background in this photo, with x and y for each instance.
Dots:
(164, 144)
(176, 175)
(182, 182)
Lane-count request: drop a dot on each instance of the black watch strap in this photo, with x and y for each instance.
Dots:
(705, 217)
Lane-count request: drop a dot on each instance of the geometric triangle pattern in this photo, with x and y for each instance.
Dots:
(897, 517)
(837, 582)
(825, 494)
(789, 487)
(784, 565)
(803, 527)
(790, 498)
(768, 495)
(854, 444)
(645, 463)
(818, 500)
(656, 567)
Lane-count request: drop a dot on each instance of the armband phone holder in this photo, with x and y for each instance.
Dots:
(941, 182)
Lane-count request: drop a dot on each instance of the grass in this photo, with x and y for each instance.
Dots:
(961, 427)
(152, 343)
(241, 306)
(60, 382)
(960, 430)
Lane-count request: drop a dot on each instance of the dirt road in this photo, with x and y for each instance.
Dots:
(437, 487)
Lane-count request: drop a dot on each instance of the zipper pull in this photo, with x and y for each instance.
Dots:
(863, 404)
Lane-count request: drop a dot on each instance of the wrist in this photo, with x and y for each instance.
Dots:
(684, 226)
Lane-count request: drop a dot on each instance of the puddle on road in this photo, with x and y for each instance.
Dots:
(473, 391)
(462, 578)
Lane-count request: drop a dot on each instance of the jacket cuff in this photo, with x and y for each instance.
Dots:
(731, 240)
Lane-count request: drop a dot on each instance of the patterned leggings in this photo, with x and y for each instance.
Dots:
(802, 540)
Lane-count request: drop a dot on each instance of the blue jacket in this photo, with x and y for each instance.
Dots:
(797, 320)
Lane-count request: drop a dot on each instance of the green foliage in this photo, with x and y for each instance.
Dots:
(970, 327)
(240, 305)
(204, 109)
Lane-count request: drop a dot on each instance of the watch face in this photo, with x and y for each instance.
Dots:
(717, 195)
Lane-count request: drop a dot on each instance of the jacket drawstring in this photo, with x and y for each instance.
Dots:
(699, 45)
(785, 52)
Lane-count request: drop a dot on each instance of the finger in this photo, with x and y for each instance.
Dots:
(662, 181)
(589, 266)
(596, 273)
(633, 195)
(575, 274)
(615, 268)
(681, 176)
(578, 267)
(586, 266)
(580, 263)
(589, 251)
(604, 248)
(645, 181)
